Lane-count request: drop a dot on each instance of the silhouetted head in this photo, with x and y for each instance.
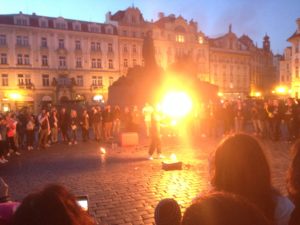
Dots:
(222, 208)
(53, 205)
(240, 167)
(167, 212)
(294, 174)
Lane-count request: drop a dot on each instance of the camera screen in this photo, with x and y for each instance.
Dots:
(83, 203)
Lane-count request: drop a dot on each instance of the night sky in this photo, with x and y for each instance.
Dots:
(252, 17)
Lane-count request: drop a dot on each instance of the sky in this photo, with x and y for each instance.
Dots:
(277, 18)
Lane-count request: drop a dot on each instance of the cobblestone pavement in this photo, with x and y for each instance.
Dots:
(123, 186)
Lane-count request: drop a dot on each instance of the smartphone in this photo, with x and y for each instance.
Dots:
(83, 202)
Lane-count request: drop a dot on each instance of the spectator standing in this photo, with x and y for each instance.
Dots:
(64, 120)
(85, 125)
(30, 125)
(53, 120)
(74, 126)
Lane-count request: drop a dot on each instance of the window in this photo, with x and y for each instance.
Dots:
(19, 40)
(2, 39)
(125, 64)
(44, 42)
(110, 48)
(27, 79)
(98, 46)
(134, 48)
(4, 79)
(21, 21)
(25, 41)
(200, 40)
(95, 46)
(180, 38)
(61, 25)
(62, 61)
(110, 64)
(95, 29)
(61, 43)
(77, 45)
(45, 80)
(125, 50)
(20, 79)
(43, 23)
(79, 80)
(94, 65)
(3, 59)
(134, 62)
(99, 63)
(97, 81)
(44, 60)
(26, 60)
(111, 81)
(20, 59)
(22, 41)
(77, 27)
(78, 62)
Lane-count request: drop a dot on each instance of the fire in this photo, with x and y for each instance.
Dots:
(176, 104)
(102, 151)
(173, 157)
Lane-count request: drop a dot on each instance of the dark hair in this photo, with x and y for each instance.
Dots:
(294, 173)
(240, 167)
(53, 205)
(221, 208)
(167, 212)
(293, 182)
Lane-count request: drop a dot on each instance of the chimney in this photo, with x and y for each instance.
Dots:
(33, 14)
(161, 15)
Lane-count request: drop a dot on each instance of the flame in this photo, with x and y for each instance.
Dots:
(173, 157)
(102, 150)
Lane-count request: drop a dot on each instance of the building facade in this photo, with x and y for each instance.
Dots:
(52, 60)
(285, 68)
(295, 56)
(55, 60)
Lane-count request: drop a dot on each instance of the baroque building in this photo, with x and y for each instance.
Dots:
(46, 59)
(55, 60)
(285, 68)
(295, 56)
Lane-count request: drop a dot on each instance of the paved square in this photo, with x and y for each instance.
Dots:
(124, 187)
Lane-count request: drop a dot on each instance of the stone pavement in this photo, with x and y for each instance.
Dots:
(123, 186)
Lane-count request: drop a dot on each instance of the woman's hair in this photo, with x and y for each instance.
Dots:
(221, 208)
(53, 205)
(294, 174)
(240, 167)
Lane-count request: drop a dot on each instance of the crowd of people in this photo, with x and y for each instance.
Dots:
(271, 119)
(24, 131)
(241, 193)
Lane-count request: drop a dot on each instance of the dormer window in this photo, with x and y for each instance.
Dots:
(77, 26)
(94, 28)
(108, 30)
(60, 23)
(43, 22)
(21, 20)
